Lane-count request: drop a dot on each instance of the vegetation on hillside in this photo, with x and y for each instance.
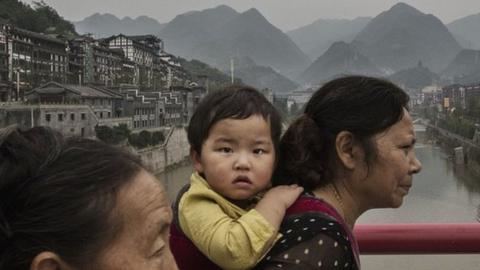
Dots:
(200, 71)
(121, 133)
(39, 17)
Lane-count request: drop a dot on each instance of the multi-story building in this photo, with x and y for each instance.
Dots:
(144, 52)
(5, 86)
(92, 62)
(29, 59)
(101, 102)
(189, 97)
(461, 96)
(175, 74)
(35, 59)
(298, 98)
(143, 110)
(70, 120)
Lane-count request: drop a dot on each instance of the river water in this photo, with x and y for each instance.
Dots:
(442, 192)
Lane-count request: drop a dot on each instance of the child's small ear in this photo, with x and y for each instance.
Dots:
(197, 161)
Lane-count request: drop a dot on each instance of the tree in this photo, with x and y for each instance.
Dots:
(157, 138)
(41, 18)
(104, 133)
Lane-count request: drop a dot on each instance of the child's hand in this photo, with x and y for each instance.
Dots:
(283, 195)
(276, 201)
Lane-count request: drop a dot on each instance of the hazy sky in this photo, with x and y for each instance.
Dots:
(285, 14)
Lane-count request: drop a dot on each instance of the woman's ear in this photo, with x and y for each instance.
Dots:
(47, 260)
(197, 161)
(348, 150)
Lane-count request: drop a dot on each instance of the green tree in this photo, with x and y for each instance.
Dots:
(41, 18)
(157, 138)
(104, 133)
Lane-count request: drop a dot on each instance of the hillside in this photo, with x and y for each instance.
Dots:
(39, 18)
(415, 78)
(466, 31)
(402, 36)
(340, 59)
(216, 35)
(465, 68)
(314, 39)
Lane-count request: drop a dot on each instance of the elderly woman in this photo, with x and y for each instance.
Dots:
(352, 150)
(78, 204)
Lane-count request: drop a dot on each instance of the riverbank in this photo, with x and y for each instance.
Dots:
(174, 152)
(449, 141)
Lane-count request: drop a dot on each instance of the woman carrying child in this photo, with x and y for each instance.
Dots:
(352, 150)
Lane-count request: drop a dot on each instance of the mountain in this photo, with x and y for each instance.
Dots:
(465, 68)
(314, 39)
(201, 72)
(104, 25)
(466, 31)
(414, 78)
(262, 77)
(402, 36)
(187, 31)
(340, 59)
(216, 35)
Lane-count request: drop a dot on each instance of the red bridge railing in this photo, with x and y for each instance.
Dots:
(425, 238)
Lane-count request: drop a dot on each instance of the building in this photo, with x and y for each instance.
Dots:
(100, 101)
(298, 98)
(92, 62)
(70, 120)
(460, 96)
(33, 60)
(144, 51)
(431, 95)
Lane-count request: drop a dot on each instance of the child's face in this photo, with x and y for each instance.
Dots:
(237, 157)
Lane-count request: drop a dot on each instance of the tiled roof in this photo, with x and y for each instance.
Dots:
(81, 90)
(87, 91)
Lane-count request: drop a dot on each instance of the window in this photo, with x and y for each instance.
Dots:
(60, 117)
(84, 116)
(72, 116)
(109, 114)
(101, 114)
(48, 117)
(82, 131)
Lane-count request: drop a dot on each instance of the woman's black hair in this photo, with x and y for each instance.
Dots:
(361, 105)
(58, 195)
(236, 102)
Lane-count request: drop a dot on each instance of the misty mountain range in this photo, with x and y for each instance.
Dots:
(314, 39)
(105, 25)
(395, 43)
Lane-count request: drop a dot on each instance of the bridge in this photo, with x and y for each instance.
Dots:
(424, 238)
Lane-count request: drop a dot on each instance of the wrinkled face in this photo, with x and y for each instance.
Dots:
(143, 240)
(390, 176)
(238, 157)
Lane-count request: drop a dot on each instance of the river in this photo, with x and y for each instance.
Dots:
(442, 192)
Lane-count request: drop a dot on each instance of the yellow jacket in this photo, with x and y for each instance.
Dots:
(230, 236)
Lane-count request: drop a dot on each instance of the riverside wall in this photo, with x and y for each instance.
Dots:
(450, 141)
(173, 152)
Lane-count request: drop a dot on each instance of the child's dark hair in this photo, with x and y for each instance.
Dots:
(237, 102)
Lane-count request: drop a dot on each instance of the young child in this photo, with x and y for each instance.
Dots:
(219, 221)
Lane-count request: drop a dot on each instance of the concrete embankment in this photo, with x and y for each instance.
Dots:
(173, 152)
(451, 141)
